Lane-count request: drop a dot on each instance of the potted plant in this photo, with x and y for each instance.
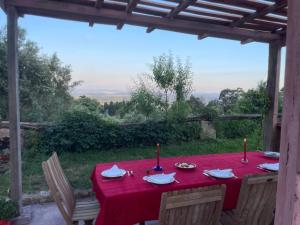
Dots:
(8, 210)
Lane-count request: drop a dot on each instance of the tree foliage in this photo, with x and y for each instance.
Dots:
(44, 82)
(228, 99)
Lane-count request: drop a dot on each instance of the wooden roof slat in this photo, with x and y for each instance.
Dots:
(245, 4)
(131, 5)
(211, 6)
(183, 5)
(86, 13)
(258, 13)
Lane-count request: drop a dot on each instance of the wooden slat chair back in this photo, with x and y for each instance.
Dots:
(60, 187)
(199, 206)
(257, 200)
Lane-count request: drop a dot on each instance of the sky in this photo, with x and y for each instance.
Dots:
(105, 58)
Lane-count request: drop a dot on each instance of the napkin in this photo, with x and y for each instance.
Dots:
(161, 178)
(220, 173)
(113, 172)
(272, 154)
(270, 166)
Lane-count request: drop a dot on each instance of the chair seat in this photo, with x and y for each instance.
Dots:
(86, 210)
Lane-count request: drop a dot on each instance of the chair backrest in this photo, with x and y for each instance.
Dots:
(59, 187)
(192, 206)
(257, 199)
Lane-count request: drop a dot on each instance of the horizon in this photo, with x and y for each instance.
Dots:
(105, 58)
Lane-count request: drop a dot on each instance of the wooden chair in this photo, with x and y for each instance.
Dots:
(256, 202)
(73, 211)
(199, 206)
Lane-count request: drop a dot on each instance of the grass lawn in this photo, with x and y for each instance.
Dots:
(78, 166)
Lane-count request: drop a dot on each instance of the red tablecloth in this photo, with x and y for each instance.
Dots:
(132, 200)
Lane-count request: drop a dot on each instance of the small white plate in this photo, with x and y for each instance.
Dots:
(270, 154)
(226, 173)
(113, 172)
(160, 178)
(185, 165)
(270, 166)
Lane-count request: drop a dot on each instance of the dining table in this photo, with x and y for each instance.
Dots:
(131, 199)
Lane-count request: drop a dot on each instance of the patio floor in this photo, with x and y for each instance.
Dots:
(48, 214)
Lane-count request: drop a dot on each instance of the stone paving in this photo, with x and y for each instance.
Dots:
(48, 214)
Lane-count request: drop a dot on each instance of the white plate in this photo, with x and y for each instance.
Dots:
(160, 178)
(270, 166)
(113, 172)
(226, 173)
(185, 165)
(270, 154)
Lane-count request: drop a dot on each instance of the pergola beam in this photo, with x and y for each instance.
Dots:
(99, 3)
(14, 109)
(288, 189)
(269, 9)
(72, 11)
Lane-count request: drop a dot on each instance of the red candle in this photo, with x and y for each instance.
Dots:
(157, 154)
(245, 149)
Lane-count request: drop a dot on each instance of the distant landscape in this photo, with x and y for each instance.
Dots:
(112, 95)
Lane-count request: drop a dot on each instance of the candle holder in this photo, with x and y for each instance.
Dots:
(245, 161)
(157, 168)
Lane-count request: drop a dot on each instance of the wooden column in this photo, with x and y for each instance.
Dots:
(270, 121)
(288, 191)
(14, 109)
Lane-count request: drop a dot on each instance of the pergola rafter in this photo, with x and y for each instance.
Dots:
(119, 14)
(259, 13)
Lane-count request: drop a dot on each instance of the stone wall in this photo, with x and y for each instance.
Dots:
(208, 130)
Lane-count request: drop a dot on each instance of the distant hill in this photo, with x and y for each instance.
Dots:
(108, 95)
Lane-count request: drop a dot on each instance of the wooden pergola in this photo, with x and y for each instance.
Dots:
(274, 22)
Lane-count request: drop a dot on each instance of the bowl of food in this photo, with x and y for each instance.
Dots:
(185, 165)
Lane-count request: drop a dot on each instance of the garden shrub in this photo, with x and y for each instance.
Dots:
(237, 128)
(80, 131)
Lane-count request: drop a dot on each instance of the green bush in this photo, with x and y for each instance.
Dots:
(80, 131)
(237, 128)
(8, 209)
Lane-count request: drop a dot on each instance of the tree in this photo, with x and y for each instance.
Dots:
(228, 98)
(87, 104)
(164, 74)
(144, 101)
(44, 82)
(171, 77)
(254, 100)
(183, 80)
(197, 105)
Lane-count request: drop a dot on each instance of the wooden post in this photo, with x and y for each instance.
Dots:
(14, 109)
(270, 120)
(288, 191)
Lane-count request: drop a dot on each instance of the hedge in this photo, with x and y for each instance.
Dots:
(80, 131)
